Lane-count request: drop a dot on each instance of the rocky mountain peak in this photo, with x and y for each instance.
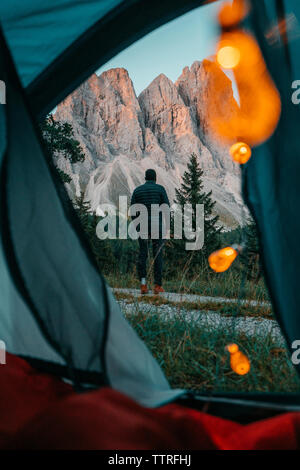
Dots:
(118, 83)
(160, 95)
(123, 135)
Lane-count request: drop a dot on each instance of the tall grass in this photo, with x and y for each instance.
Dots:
(194, 357)
(212, 284)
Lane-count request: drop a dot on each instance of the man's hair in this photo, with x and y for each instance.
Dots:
(150, 175)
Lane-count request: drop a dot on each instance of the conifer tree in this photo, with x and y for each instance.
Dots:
(192, 192)
(250, 256)
(102, 249)
(59, 139)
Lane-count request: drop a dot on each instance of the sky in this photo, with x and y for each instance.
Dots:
(170, 48)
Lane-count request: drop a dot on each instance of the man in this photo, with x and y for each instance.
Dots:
(148, 194)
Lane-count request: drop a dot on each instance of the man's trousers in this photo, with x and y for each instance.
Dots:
(157, 248)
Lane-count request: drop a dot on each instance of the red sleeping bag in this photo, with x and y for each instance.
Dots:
(39, 411)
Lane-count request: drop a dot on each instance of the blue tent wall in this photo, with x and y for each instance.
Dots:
(37, 32)
(75, 54)
(271, 178)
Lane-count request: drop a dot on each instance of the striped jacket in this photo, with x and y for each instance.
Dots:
(150, 193)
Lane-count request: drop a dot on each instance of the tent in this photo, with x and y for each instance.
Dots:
(57, 312)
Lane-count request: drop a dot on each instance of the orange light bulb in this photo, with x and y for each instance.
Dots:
(256, 115)
(221, 260)
(240, 152)
(239, 362)
(232, 12)
(228, 56)
(232, 348)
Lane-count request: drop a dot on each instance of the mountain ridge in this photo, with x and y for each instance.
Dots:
(122, 135)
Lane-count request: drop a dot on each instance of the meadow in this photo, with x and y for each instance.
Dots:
(193, 354)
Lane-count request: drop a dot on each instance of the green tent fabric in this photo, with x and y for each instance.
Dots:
(38, 32)
(56, 45)
(271, 178)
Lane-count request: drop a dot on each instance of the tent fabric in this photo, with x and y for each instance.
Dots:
(271, 178)
(57, 45)
(42, 247)
(56, 308)
(71, 322)
(41, 412)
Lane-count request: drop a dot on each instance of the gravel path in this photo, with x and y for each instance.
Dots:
(250, 326)
(175, 297)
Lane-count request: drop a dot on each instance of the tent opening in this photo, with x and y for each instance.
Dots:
(85, 115)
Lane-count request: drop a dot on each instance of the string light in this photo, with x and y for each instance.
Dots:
(239, 362)
(256, 115)
(221, 260)
(228, 56)
(240, 152)
(232, 12)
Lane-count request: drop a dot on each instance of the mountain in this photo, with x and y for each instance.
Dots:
(122, 135)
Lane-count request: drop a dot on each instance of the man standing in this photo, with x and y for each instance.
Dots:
(148, 194)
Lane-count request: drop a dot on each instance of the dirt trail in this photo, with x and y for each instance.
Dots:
(175, 297)
(250, 326)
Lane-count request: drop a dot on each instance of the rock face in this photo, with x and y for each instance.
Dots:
(207, 91)
(123, 135)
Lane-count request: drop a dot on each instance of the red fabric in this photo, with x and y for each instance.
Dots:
(40, 412)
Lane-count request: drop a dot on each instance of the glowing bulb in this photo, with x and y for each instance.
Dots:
(258, 112)
(240, 152)
(221, 260)
(231, 13)
(232, 348)
(228, 57)
(239, 362)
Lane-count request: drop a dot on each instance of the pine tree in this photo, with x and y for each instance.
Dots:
(102, 249)
(250, 256)
(84, 210)
(192, 192)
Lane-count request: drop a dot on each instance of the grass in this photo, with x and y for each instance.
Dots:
(194, 357)
(227, 285)
(193, 354)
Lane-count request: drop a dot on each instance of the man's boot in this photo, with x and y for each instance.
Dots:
(144, 289)
(158, 289)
